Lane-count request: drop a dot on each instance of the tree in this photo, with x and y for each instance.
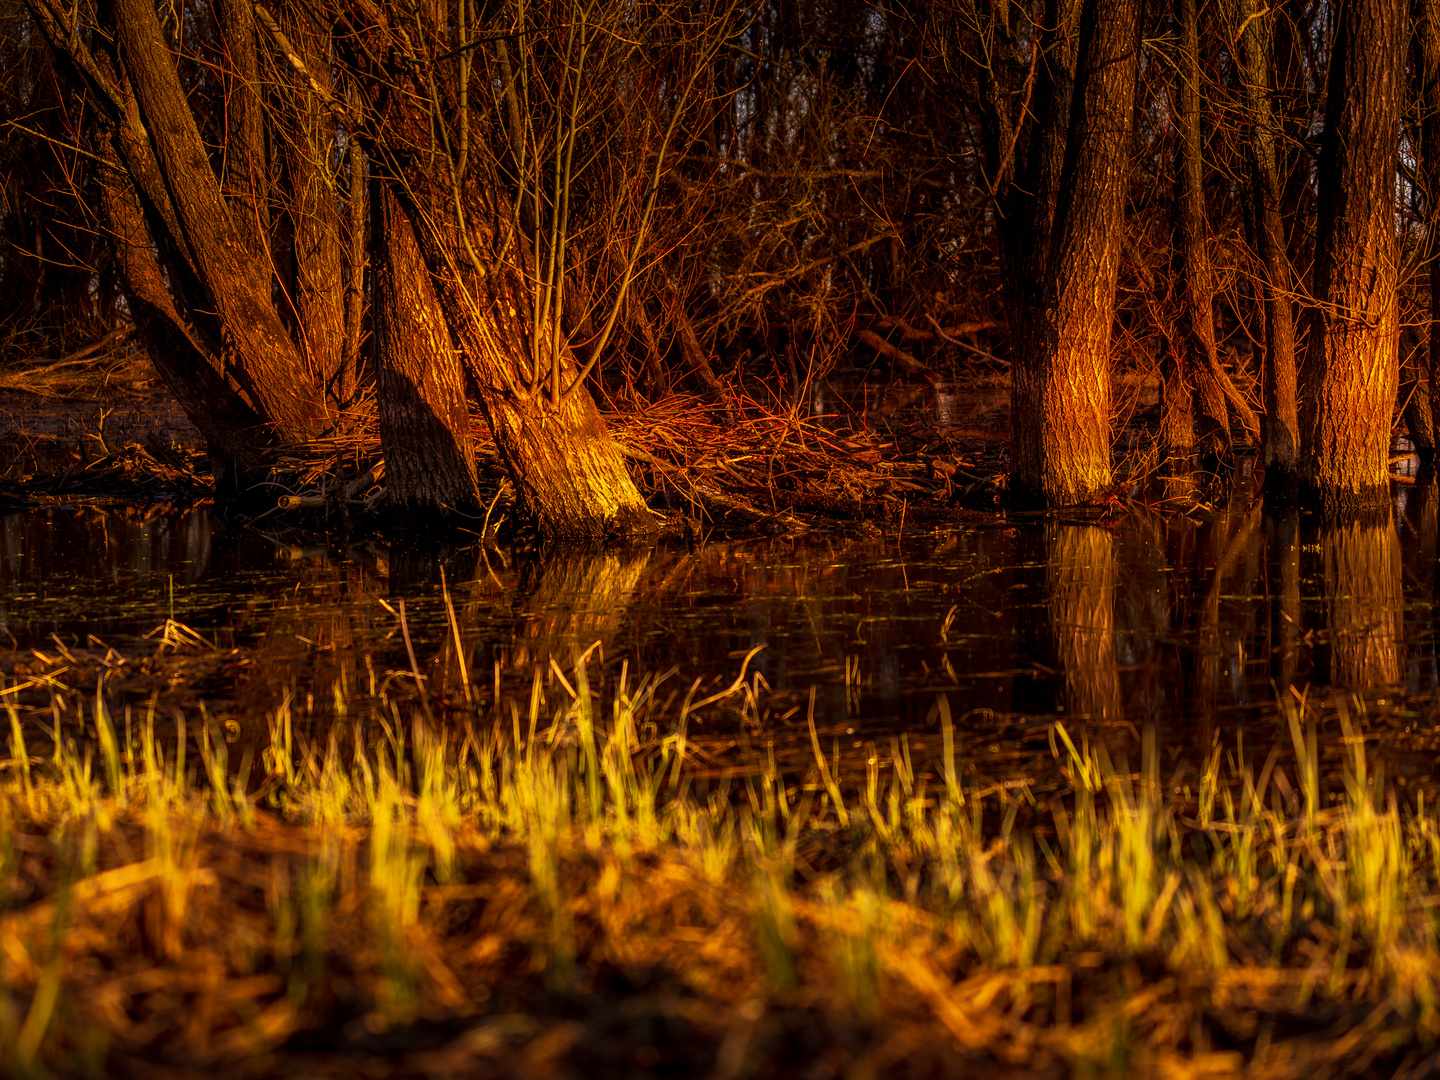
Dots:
(420, 382)
(1352, 367)
(191, 261)
(1060, 395)
(1252, 30)
(487, 187)
(1425, 76)
(1197, 363)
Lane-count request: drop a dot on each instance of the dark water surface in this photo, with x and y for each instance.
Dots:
(1186, 621)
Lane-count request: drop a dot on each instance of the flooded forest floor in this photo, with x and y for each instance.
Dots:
(1146, 791)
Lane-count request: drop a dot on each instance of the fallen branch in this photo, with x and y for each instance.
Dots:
(892, 353)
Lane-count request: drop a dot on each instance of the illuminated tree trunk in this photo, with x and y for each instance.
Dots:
(261, 355)
(1351, 367)
(245, 171)
(420, 382)
(181, 237)
(569, 474)
(1060, 396)
(1278, 379)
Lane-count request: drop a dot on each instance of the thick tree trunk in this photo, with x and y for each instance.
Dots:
(568, 472)
(261, 356)
(1060, 446)
(1278, 380)
(1351, 366)
(1198, 360)
(236, 436)
(420, 382)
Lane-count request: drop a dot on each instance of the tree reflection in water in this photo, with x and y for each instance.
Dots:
(572, 599)
(1364, 602)
(1080, 578)
(1192, 619)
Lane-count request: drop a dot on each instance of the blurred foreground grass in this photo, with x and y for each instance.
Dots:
(545, 892)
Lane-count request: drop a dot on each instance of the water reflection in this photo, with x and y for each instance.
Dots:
(1191, 621)
(1362, 583)
(1080, 579)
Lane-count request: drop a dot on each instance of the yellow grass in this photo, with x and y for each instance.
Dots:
(518, 892)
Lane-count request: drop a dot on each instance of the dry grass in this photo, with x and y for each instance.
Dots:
(736, 465)
(538, 887)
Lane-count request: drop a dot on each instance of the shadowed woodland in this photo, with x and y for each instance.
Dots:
(363, 221)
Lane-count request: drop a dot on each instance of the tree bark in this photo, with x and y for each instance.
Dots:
(357, 235)
(246, 172)
(1278, 378)
(1060, 443)
(236, 437)
(1198, 359)
(568, 472)
(1351, 367)
(313, 205)
(1414, 400)
(261, 355)
(1033, 196)
(420, 382)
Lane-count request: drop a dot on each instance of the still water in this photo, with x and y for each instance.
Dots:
(1191, 622)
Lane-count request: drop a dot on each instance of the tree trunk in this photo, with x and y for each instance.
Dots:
(236, 436)
(1033, 195)
(1414, 401)
(420, 382)
(246, 176)
(261, 356)
(1351, 368)
(1278, 379)
(1426, 67)
(313, 205)
(568, 472)
(357, 234)
(1198, 360)
(1060, 443)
